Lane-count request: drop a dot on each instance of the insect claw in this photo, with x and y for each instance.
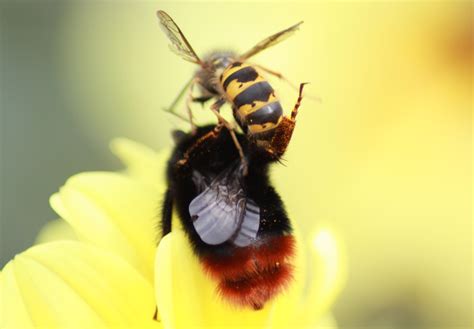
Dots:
(302, 86)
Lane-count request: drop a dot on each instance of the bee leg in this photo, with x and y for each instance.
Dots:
(194, 149)
(166, 213)
(284, 131)
(215, 109)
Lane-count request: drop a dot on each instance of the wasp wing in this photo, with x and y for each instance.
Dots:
(179, 43)
(270, 41)
(222, 212)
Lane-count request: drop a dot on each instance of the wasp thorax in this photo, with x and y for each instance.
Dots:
(214, 65)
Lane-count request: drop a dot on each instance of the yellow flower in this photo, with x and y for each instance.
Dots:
(98, 266)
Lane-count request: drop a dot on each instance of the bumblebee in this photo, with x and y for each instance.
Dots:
(237, 224)
(227, 77)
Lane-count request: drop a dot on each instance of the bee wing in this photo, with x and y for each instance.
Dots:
(270, 41)
(179, 43)
(222, 212)
(249, 227)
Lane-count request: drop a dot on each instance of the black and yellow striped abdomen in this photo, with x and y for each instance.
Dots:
(256, 107)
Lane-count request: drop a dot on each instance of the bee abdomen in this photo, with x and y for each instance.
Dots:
(255, 290)
(252, 275)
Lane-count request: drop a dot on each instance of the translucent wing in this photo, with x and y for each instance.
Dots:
(249, 228)
(222, 212)
(270, 41)
(179, 44)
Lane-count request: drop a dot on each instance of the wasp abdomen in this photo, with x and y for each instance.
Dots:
(245, 74)
(271, 112)
(255, 104)
(257, 92)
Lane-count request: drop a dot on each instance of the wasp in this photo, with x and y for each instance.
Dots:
(229, 78)
(237, 224)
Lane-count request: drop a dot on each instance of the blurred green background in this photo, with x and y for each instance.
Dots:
(384, 159)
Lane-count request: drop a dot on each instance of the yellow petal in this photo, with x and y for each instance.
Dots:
(71, 284)
(319, 273)
(114, 212)
(326, 322)
(327, 276)
(56, 230)
(13, 312)
(287, 306)
(142, 162)
(187, 298)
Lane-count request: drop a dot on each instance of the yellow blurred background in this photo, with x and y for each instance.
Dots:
(384, 159)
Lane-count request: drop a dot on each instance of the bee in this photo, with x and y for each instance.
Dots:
(236, 224)
(229, 78)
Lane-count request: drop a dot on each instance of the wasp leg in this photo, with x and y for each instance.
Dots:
(277, 74)
(187, 89)
(282, 77)
(217, 105)
(215, 109)
(171, 109)
(189, 100)
(284, 131)
(204, 97)
(298, 101)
